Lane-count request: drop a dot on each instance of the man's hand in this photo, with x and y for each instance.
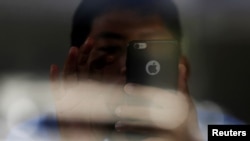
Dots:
(156, 113)
(159, 114)
(76, 59)
(84, 107)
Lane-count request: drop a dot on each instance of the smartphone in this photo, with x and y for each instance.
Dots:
(153, 63)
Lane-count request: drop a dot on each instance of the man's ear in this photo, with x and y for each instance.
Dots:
(184, 61)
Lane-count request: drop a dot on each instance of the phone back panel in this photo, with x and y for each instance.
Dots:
(153, 65)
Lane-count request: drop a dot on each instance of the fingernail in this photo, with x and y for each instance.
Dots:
(73, 52)
(129, 88)
(183, 70)
(53, 68)
(53, 72)
(118, 111)
(89, 41)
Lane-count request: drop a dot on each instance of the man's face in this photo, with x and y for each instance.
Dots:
(112, 32)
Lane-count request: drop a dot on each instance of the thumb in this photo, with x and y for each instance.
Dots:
(183, 76)
(54, 79)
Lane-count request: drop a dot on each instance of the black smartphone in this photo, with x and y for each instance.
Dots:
(153, 63)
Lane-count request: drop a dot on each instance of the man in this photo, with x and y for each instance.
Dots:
(90, 100)
(101, 31)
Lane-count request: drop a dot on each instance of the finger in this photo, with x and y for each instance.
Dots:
(147, 92)
(88, 100)
(183, 60)
(169, 116)
(70, 66)
(55, 82)
(183, 75)
(182, 83)
(134, 112)
(54, 78)
(159, 118)
(54, 73)
(85, 50)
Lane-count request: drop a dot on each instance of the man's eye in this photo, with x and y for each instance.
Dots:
(110, 49)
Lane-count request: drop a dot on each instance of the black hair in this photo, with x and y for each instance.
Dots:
(88, 10)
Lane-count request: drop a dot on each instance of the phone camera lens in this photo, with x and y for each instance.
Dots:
(140, 45)
(136, 46)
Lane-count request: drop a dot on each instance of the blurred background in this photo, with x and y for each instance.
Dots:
(35, 34)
